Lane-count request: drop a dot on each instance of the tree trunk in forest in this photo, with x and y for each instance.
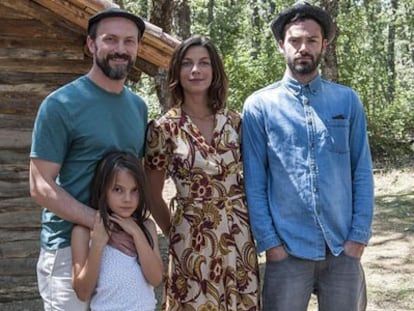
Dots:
(210, 10)
(329, 63)
(161, 16)
(182, 19)
(391, 52)
(255, 20)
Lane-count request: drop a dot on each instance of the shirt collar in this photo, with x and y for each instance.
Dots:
(297, 88)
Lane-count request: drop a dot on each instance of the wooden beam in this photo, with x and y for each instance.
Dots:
(14, 78)
(46, 66)
(36, 11)
(28, 42)
(36, 54)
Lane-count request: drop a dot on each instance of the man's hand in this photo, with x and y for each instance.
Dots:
(99, 236)
(277, 253)
(354, 249)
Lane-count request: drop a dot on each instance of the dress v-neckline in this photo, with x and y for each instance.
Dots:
(198, 135)
(201, 137)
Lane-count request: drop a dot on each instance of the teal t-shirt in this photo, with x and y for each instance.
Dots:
(75, 127)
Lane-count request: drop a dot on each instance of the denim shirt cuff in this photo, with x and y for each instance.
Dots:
(268, 243)
(359, 236)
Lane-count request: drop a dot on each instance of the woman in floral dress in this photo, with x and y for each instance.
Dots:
(212, 256)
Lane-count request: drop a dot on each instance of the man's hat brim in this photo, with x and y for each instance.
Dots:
(116, 12)
(303, 9)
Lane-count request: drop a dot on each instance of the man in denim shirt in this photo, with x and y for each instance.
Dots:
(308, 174)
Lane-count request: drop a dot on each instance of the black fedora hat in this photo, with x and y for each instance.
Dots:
(116, 12)
(303, 9)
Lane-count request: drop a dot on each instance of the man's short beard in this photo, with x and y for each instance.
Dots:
(306, 68)
(114, 73)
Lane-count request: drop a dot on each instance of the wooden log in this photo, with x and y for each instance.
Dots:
(29, 88)
(28, 42)
(49, 79)
(46, 66)
(18, 249)
(13, 190)
(32, 28)
(9, 235)
(39, 12)
(9, 121)
(13, 105)
(20, 292)
(20, 220)
(14, 172)
(19, 204)
(16, 155)
(67, 11)
(15, 138)
(35, 54)
(18, 266)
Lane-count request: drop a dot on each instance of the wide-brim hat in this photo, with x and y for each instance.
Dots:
(117, 12)
(303, 9)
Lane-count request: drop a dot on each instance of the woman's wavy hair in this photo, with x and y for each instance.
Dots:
(106, 172)
(218, 90)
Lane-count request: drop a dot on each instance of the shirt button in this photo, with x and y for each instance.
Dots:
(315, 190)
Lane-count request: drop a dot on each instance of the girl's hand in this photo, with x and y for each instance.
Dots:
(127, 224)
(99, 236)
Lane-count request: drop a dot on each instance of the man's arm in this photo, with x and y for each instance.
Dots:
(255, 167)
(48, 194)
(362, 178)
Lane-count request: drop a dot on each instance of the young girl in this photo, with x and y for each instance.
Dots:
(112, 279)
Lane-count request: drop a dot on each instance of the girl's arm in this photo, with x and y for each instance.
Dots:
(86, 259)
(158, 207)
(149, 258)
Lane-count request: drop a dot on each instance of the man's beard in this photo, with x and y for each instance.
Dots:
(307, 67)
(118, 72)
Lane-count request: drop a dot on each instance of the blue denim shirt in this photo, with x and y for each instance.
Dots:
(307, 167)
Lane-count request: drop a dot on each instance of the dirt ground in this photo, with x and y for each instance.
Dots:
(388, 260)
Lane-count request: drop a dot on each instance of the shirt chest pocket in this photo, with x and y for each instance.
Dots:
(338, 135)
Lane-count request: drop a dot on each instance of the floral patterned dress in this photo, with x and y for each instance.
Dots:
(212, 256)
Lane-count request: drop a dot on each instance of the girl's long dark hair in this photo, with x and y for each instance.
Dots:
(218, 90)
(105, 173)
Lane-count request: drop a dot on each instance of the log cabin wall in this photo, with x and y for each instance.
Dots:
(39, 52)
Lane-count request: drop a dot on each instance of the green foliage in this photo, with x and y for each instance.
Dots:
(240, 30)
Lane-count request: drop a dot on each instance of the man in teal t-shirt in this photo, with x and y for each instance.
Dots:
(75, 127)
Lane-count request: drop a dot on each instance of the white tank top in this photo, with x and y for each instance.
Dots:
(121, 285)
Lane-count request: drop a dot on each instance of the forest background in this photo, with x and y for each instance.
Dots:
(373, 53)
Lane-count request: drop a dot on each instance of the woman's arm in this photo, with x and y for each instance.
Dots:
(86, 259)
(158, 207)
